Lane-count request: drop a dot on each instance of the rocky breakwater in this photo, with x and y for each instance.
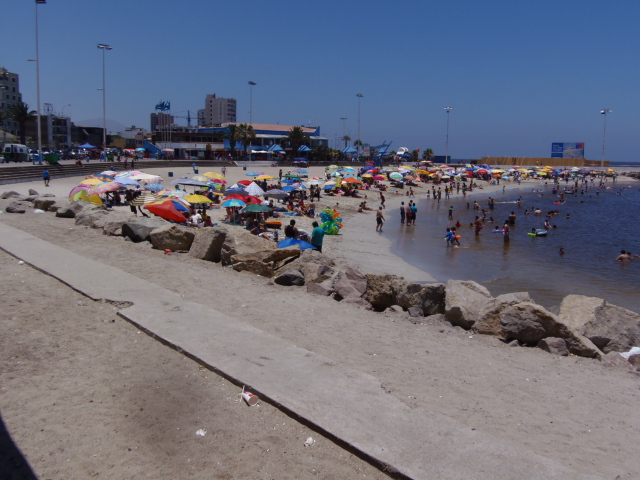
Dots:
(585, 326)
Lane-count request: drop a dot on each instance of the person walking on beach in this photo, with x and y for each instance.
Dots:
(379, 220)
(224, 171)
(402, 213)
(317, 235)
(46, 177)
(451, 212)
(382, 200)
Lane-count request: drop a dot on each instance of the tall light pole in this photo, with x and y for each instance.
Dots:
(251, 84)
(104, 48)
(446, 156)
(359, 95)
(62, 113)
(4, 130)
(604, 136)
(38, 2)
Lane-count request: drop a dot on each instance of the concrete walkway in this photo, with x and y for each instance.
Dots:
(346, 405)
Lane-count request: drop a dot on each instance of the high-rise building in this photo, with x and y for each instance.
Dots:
(217, 111)
(161, 121)
(10, 95)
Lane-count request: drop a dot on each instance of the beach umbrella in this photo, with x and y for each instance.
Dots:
(104, 188)
(395, 176)
(244, 182)
(111, 173)
(146, 177)
(351, 180)
(103, 177)
(255, 174)
(250, 199)
(254, 190)
(128, 173)
(82, 195)
(275, 193)
(379, 177)
(367, 175)
(145, 198)
(153, 187)
(79, 188)
(256, 208)
(234, 191)
(201, 178)
(264, 177)
(197, 199)
(301, 171)
(290, 242)
(332, 167)
(233, 203)
(91, 181)
(125, 181)
(288, 188)
(328, 187)
(214, 175)
(188, 181)
(315, 181)
(166, 210)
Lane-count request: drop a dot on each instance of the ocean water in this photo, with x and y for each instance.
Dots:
(600, 225)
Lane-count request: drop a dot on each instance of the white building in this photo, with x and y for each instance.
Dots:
(217, 111)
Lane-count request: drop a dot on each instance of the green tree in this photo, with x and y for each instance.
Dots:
(415, 154)
(428, 154)
(321, 153)
(247, 135)
(296, 138)
(233, 135)
(358, 143)
(346, 140)
(20, 113)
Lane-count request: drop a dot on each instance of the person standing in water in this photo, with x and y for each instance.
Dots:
(379, 220)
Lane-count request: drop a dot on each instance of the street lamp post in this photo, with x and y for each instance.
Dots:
(604, 136)
(446, 157)
(62, 113)
(359, 95)
(251, 84)
(38, 2)
(104, 47)
(4, 130)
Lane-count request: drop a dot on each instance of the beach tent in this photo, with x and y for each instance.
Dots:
(87, 145)
(289, 242)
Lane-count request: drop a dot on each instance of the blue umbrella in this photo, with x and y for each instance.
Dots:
(290, 242)
(154, 187)
(255, 174)
(328, 187)
(125, 181)
(301, 170)
(288, 188)
(233, 203)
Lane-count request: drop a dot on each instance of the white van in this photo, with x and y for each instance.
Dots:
(14, 152)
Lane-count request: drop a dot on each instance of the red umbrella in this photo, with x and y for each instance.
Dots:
(249, 200)
(167, 211)
(245, 182)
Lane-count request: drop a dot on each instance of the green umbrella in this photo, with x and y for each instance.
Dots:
(256, 207)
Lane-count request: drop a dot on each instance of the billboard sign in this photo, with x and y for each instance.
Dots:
(567, 150)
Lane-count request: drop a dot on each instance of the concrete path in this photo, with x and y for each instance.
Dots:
(348, 406)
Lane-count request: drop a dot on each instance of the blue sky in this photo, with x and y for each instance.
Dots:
(519, 74)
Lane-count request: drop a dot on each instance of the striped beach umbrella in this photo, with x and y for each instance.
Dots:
(145, 198)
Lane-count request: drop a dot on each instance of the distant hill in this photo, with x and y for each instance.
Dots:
(112, 125)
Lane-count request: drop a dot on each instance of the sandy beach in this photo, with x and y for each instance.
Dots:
(83, 394)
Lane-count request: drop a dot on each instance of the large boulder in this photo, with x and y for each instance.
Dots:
(429, 298)
(66, 208)
(464, 300)
(290, 278)
(90, 217)
(240, 241)
(18, 207)
(112, 224)
(316, 267)
(488, 322)
(557, 346)
(529, 323)
(33, 192)
(207, 244)
(609, 327)
(139, 229)
(43, 203)
(172, 237)
(352, 283)
(9, 194)
(259, 268)
(383, 290)
(271, 256)
(323, 288)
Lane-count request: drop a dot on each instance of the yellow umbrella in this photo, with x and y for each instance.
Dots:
(498, 170)
(367, 175)
(214, 175)
(422, 172)
(197, 199)
(265, 177)
(201, 178)
(91, 181)
(407, 167)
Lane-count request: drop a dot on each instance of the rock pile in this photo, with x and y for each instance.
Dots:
(585, 326)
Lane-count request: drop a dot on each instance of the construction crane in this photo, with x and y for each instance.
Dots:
(189, 116)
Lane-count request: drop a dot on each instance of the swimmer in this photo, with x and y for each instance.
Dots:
(568, 216)
(561, 251)
(623, 257)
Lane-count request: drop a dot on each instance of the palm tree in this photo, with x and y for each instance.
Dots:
(296, 138)
(428, 154)
(233, 135)
(346, 139)
(19, 112)
(247, 135)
